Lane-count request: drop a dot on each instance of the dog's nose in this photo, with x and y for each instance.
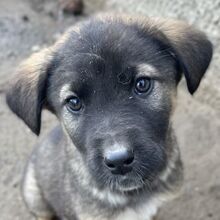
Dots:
(119, 162)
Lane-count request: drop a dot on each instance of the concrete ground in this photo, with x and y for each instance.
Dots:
(27, 25)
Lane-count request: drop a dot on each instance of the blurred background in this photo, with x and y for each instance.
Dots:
(28, 25)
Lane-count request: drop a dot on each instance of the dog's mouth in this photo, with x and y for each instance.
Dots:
(125, 184)
(129, 185)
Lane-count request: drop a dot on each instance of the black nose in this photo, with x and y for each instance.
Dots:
(119, 162)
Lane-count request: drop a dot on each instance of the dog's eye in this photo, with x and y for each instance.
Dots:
(74, 103)
(143, 85)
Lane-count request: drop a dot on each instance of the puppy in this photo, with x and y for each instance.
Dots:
(111, 81)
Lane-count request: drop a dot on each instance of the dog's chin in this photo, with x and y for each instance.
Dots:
(129, 189)
(123, 184)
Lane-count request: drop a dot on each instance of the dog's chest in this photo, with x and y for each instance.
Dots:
(144, 209)
(143, 212)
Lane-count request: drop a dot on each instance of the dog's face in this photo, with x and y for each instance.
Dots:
(112, 84)
(115, 96)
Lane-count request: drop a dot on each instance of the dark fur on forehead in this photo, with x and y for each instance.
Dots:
(121, 46)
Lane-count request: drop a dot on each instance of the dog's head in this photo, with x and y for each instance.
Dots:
(112, 84)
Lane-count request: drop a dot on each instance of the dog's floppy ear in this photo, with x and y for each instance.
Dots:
(191, 47)
(26, 95)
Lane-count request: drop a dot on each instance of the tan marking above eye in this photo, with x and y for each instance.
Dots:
(147, 70)
(65, 91)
